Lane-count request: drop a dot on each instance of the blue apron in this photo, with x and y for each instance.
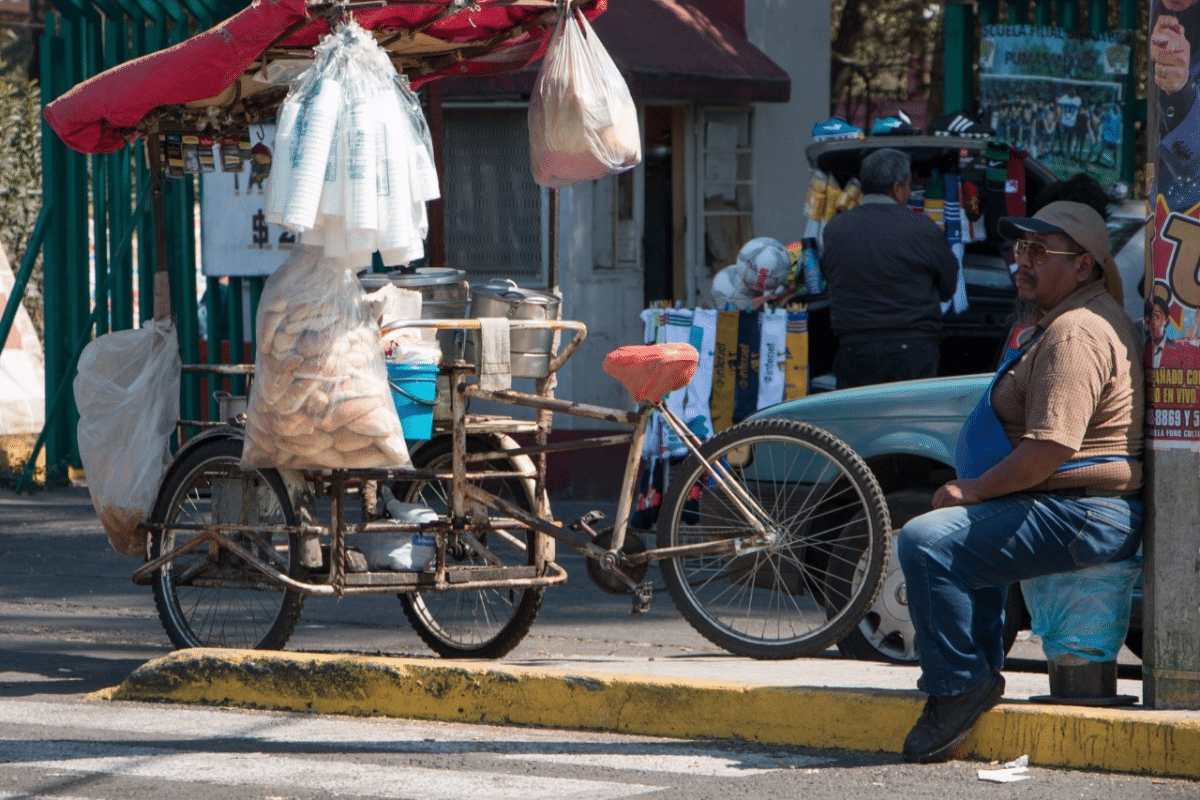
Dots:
(982, 442)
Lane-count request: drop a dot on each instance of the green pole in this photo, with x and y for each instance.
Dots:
(958, 93)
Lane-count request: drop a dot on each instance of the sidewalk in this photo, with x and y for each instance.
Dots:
(804, 703)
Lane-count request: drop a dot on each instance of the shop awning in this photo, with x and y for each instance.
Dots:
(216, 77)
(667, 51)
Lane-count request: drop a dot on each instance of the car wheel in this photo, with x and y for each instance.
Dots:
(886, 633)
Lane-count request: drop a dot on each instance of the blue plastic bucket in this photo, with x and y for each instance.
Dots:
(414, 391)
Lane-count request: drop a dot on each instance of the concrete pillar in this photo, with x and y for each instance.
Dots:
(1171, 592)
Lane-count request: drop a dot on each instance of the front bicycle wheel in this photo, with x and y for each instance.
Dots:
(209, 596)
(484, 622)
(824, 509)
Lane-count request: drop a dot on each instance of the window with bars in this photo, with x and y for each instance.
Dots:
(726, 185)
(493, 209)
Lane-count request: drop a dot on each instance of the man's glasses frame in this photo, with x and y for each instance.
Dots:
(1038, 250)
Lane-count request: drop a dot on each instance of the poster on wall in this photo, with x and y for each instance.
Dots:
(236, 239)
(1173, 185)
(1057, 94)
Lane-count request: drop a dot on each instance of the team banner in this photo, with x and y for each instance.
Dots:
(1057, 94)
(1172, 319)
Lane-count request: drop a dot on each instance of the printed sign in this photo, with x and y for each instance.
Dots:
(1172, 318)
(1057, 94)
(236, 239)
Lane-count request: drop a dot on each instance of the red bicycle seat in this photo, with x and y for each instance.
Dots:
(649, 371)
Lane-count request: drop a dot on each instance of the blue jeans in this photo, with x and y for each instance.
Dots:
(958, 563)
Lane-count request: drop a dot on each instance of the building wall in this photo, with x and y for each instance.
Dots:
(795, 35)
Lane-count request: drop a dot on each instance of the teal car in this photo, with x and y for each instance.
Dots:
(907, 432)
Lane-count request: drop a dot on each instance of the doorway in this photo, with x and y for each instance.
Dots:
(663, 229)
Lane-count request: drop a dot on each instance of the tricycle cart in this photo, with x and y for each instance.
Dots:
(772, 535)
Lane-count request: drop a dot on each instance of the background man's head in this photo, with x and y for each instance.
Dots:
(884, 170)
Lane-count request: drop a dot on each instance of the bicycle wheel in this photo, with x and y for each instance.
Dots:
(209, 596)
(786, 600)
(473, 623)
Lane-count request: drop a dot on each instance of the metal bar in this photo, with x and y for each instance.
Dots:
(554, 404)
(23, 272)
(555, 447)
(740, 498)
(632, 460)
(27, 472)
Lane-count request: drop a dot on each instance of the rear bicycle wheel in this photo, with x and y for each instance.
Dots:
(789, 599)
(209, 596)
(483, 622)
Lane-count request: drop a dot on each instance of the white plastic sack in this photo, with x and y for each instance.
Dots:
(127, 391)
(320, 397)
(582, 121)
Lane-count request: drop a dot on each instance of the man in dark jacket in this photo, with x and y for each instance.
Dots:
(889, 270)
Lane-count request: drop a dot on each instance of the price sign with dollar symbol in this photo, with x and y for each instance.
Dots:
(236, 239)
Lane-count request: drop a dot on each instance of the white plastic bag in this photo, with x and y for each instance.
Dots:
(320, 397)
(582, 121)
(127, 392)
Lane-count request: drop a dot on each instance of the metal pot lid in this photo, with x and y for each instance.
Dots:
(508, 291)
(427, 276)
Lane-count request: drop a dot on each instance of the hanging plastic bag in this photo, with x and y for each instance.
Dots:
(320, 397)
(582, 121)
(127, 392)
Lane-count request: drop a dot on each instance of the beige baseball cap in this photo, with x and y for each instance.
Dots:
(1083, 224)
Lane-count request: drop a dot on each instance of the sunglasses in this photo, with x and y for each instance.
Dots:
(1037, 250)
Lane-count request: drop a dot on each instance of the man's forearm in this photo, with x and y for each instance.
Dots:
(1029, 464)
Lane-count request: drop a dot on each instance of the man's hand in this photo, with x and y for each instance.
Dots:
(956, 493)
(1170, 55)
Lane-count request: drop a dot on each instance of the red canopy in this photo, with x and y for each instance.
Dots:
(208, 79)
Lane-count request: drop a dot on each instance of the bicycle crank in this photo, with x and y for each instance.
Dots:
(605, 576)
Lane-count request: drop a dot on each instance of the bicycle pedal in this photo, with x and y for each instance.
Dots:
(642, 596)
(586, 520)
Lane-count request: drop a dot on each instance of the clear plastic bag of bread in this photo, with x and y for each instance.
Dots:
(320, 397)
(582, 121)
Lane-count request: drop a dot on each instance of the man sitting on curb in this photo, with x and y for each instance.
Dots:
(1049, 471)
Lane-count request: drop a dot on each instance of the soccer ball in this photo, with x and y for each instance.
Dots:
(729, 286)
(766, 264)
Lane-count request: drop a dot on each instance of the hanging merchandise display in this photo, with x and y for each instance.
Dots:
(353, 164)
(582, 121)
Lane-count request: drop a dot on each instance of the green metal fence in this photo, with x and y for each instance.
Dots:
(99, 236)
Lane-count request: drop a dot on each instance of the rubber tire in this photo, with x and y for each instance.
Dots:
(429, 612)
(797, 566)
(222, 615)
(897, 644)
(859, 642)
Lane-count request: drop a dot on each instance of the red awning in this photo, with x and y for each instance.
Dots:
(667, 51)
(211, 76)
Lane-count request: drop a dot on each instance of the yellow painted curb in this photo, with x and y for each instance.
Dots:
(1118, 740)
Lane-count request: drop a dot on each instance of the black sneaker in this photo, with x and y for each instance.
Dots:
(959, 124)
(946, 721)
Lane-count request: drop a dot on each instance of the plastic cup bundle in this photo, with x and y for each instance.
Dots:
(353, 165)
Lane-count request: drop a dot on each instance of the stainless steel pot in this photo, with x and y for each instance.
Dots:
(530, 350)
(502, 297)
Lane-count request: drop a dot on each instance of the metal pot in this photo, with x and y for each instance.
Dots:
(502, 297)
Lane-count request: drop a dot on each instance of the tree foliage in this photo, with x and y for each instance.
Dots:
(876, 45)
(20, 174)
